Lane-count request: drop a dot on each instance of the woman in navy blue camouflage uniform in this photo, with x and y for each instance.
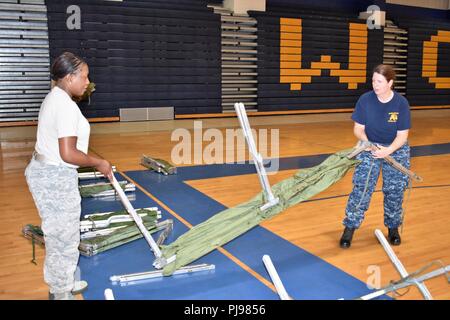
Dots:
(382, 117)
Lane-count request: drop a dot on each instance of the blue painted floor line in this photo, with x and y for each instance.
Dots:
(287, 163)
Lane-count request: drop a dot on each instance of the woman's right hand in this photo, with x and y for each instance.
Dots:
(105, 168)
(361, 142)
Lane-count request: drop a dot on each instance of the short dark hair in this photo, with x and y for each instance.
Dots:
(385, 70)
(66, 63)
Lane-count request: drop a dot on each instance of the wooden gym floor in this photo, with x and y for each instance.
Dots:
(314, 226)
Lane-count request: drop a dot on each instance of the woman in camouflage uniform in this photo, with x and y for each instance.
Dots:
(61, 147)
(382, 117)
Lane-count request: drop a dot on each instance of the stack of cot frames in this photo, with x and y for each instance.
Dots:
(158, 165)
(99, 189)
(86, 173)
(103, 231)
(102, 189)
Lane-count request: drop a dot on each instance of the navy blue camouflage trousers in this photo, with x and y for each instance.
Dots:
(364, 181)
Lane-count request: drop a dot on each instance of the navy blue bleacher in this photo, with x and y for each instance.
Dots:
(144, 53)
(419, 90)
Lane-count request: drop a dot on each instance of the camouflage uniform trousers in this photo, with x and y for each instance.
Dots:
(394, 185)
(55, 193)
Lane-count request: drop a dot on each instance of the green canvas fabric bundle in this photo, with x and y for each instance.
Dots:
(89, 173)
(90, 247)
(91, 190)
(158, 165)
(229, 224)
(152, 213)
(86, 170)
(99, 217)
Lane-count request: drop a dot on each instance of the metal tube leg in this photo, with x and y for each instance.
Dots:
(109, 295)
(159, 273)
(136, 218)
(399, 266)
(427, 276)
(275, 278)
(262, 175)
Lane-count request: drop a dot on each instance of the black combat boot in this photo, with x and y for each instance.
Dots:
(394, 237)
(346, 239)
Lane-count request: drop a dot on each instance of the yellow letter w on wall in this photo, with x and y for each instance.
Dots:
(291, 70)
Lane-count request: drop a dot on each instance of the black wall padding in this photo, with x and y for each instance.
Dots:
(144, 53)
(321, 35)
(419, 90)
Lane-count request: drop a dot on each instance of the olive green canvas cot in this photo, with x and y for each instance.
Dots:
(230, 223)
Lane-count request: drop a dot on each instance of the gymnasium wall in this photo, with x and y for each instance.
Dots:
(308, 60)
(428, 59)
(143, 53)
(312, 54)
(428, 4)
(428, 74)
